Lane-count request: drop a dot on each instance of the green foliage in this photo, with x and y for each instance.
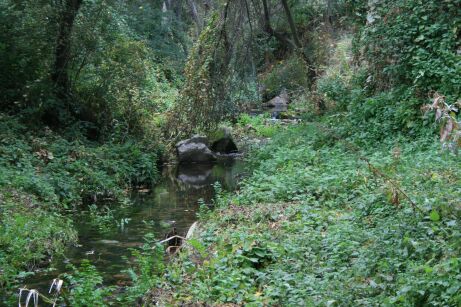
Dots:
(23, 61)
(314, 225)
(340, 83)
(204, 100)
(29, 234)
(42, 174)
(370, 115)
(386, 114)
(414, 43)
(289, 74)
(115, 78)
(147, 268)
(102, 218)
(86, 286)
(124, 88)
(72, 172)
(260, 126)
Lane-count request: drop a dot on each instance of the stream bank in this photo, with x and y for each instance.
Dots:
(106, 239)
(314, 225)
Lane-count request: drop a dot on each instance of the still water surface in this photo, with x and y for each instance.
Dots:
(173, 202)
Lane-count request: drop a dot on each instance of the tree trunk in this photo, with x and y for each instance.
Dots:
(268, 28)
(195, 16)
(60, 74)
(299, 46)
(294, 32)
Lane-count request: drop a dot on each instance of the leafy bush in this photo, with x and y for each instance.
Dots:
(42, 174)
(114, 76)
(259, 125)
(24, 61)
(287, 74)
(29, 234)
(414, 43)
(315, 225)
(204, 99)
(124, 88)
(72, 172)
(86, 286)
(147, 268)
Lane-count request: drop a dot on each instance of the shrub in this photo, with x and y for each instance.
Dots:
(86, 286)
(414, 43)
(28, 234)
(42, 174)
(287, 74)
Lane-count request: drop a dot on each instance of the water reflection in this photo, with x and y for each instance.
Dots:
(171, 203)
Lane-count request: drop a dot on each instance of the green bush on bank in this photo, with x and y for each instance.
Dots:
(72, 172)
(413, 43)
(42, 174)
(29, 232)
(314, 225)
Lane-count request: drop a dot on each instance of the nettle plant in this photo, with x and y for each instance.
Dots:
(450, 124)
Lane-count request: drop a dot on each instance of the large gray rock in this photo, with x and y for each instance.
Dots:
(194, 149)
(279, 101)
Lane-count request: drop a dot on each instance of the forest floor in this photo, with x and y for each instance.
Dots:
(328, 221)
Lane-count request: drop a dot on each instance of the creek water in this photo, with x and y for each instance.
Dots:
(107, 240)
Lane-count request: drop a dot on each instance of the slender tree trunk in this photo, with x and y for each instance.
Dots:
(195, 16)
(60, 74)
(291, 22)
(268, 28)
(299, 46)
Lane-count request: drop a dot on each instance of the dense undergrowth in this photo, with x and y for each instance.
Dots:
(44, 174)
(359, 205)
(315, 225)
(356, 206)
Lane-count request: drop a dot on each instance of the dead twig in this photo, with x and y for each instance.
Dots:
(171, 238)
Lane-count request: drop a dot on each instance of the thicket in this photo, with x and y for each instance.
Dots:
(83, 89)
(109, 76)
(405, 53)
(359, 206)
(45, 177)
(315, 224)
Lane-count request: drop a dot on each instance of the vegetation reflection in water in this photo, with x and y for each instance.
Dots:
(106, 238)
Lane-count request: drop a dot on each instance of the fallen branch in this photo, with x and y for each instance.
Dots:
(171, 238)
(376, 171)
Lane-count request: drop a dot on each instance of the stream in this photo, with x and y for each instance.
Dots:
(107, 239)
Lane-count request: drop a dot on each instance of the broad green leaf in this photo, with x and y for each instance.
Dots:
(435, 217)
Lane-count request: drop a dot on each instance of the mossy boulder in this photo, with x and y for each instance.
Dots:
(222, 141)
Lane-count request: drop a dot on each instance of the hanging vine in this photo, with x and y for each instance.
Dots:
(204, 100)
